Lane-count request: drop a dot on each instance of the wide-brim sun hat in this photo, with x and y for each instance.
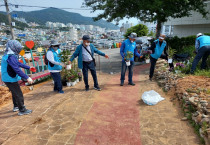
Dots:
(133, 36)
(54, 43)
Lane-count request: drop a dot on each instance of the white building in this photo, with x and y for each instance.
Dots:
(73, 34)
(125, 26)
(151, 25)
(23, 20)
(192, 25)
(167, 30)
(88, 27)
(69, 25)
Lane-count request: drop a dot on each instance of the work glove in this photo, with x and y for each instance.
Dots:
(30, 81)
(62, 64)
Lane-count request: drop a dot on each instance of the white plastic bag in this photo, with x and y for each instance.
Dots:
(151, 97)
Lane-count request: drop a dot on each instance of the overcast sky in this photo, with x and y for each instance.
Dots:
(58, 4)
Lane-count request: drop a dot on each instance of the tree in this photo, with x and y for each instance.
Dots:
(146, 10)
(140, 30)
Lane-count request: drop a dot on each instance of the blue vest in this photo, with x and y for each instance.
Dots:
(129, 47)
(158, 49)
(204, 40)
(7, 73)
(56, 58)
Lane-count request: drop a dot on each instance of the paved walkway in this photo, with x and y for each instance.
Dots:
(114, 116)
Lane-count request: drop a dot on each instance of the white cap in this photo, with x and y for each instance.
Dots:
(199, 34)
(161, 38)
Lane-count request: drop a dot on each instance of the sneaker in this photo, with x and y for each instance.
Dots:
(87, 89)
(97, 88)
(150, 79)
(132, 84)
(61, 92)
(121, 84)
(26, 112)
(15, 109)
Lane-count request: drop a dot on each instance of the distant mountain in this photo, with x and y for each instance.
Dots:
(58, 15)
(19, 25)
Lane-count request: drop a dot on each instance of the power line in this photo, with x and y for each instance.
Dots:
(18, 5)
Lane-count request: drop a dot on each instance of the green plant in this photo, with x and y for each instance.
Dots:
(204, 127)
(171, 52)
(140, 30)
(147, 56)
(202, 73)
(72, 76)
(64, 56)
(128, 55)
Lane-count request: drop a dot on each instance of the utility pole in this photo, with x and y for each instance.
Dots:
(9, 19)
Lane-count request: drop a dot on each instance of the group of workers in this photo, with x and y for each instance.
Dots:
(11, 72)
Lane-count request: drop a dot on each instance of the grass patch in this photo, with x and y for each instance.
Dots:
(205, 73)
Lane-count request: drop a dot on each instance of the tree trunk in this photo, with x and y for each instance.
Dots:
(159, 24)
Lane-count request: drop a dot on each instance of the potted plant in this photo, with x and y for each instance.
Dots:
(147, 58)
(128, 56)
(73, 77)
(64, 57)
(171, 53)
(68, 78)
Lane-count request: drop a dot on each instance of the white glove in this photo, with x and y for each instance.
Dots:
(30, 81)
(62, 64)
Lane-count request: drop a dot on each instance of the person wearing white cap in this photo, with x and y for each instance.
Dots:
(202, 45)
(158, 50)
(55, 65)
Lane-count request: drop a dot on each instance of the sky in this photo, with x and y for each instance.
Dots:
(58, 4)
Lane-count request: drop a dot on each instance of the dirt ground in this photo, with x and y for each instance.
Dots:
(195, 84)
(6, 96)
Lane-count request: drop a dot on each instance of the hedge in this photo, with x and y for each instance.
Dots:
(182, 44)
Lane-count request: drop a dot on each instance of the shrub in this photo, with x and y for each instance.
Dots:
(140, 30)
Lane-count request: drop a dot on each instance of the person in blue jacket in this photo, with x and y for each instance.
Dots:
(11, 74)
(158, 50)
(86, 61)
(202, 45)
(55, 65)
(129, 45)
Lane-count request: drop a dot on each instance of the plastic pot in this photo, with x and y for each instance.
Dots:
(128, 63)
(68, 84)
(147, 60)
(68, 67)
(170, 60)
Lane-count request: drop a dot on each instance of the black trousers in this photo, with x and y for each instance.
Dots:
(153, 63)
(17, 95)
(57, 81)
(89, 66)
